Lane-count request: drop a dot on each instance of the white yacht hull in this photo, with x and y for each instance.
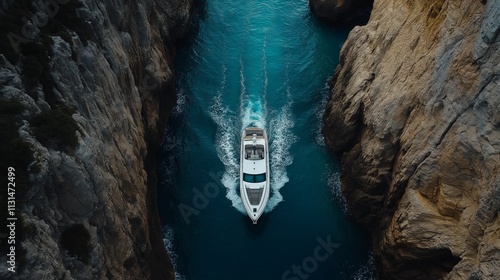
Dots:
(254, 172)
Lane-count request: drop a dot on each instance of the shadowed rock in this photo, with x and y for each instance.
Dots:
(90, 204)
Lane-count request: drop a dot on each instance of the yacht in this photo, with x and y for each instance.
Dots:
(254, 171)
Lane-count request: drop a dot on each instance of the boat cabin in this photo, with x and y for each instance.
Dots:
(254, 152)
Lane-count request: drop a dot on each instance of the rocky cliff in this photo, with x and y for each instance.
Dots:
(85, 89)
(414, 115)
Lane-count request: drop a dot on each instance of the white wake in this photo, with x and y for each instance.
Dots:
(281, 138)
(252, 106)
(227, 145)
(253, 112)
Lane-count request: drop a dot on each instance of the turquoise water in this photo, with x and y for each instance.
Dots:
(263, 63)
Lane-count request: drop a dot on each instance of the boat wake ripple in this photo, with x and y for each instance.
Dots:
(227, 146)
(252, 106)
(281, 139)
(253, 111)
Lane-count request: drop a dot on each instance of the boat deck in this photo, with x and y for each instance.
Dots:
(254, 195)
(254, 171)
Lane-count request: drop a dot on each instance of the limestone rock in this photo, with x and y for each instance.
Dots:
(414, 116)
(111, 62)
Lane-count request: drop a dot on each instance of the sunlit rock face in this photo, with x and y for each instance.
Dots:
(414, 115)
(94, 81)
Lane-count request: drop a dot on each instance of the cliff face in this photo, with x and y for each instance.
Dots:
(414, 114)
(92, 88)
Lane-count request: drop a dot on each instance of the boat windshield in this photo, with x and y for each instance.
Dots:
(257, 178)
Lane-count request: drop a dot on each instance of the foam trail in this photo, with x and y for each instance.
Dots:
(335, 187)
(264, 70)
(225, 145)
(366, 271)
(181, 103)
(252, 106)
(168, 242)
(282, 139)
(252, 113)
(320, 110)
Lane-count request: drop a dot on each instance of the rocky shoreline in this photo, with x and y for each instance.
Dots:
(88, 93)
(414, 116)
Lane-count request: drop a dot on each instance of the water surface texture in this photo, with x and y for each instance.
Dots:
(256, 63)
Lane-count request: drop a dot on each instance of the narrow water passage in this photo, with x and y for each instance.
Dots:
(263, 63)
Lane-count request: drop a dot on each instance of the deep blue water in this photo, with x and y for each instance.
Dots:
(263, 63)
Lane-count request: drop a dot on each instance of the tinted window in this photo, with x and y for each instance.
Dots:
(259, 178)
(248, 178)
